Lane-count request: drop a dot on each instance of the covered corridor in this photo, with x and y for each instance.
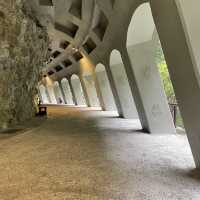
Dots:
(84, 153)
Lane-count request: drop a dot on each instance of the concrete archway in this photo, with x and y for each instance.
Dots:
(105, 87)
(76, 84)
(122, 85)
(149, 95)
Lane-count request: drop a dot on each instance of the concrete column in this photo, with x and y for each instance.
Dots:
(77, 88)
(51, 94)
(58, 93)
(114, 91)
(73, 93)
(62, 91)
(39, 94)
(105, 88)
(147, 88)
(122, 85)
(47, 94)
(87, 99)
(98, 90)
(182, 67)
(67, 91)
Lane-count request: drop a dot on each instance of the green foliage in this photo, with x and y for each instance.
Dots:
(162, 66)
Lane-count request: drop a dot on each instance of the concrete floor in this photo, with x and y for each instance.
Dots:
(93, 155)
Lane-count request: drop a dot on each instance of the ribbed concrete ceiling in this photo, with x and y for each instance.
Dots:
(77, 27)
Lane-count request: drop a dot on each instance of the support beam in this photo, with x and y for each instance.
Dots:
(182, 66)
(73, 93)
(47, 93)
(147, 88)
(114, 91)
(85, 91)
(62, 91)
(98, 90)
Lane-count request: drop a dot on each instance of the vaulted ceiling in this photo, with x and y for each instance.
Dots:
(77, 28)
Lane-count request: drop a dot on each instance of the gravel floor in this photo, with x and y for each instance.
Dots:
(78, 154)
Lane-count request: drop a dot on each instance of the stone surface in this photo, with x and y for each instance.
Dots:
(23, 50)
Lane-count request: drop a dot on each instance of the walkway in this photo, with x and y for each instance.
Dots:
(93, 155)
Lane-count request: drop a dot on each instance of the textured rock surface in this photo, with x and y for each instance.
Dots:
(23, 49)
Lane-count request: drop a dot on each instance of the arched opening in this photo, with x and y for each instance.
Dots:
(43, 94)
(76, 84)
(67, 91)
(58, 93)
(142, 42)
(105, 87)
(91, 88)
(122, 85)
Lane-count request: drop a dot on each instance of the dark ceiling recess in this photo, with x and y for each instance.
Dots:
(77, 56)
(46, 2)
(50, 73)
(58, 68)
(64, 44)
(67, 63)
(89, 45)
(70, 28)
(55, 54)
(76, 8)
(101, 26)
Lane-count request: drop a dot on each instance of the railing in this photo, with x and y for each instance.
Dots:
(174, 110)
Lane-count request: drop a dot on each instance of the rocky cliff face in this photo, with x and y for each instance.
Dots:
(23, 50)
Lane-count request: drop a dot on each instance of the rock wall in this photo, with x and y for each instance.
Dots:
(23, 50)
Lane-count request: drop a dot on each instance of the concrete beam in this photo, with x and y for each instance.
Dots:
(181, 66)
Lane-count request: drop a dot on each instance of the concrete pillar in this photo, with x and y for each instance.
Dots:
(44, 98)
(98, 90)
(85, 92)
(67, 91)
(147, 88)
(182, 68)
(114, 91)
(58, 93)
(78, 90)
(105, 88)
(51, 94)
(73, 93)
(122, 85)
(91, 89)
(39, 93)
(62, 91)
(47, 94)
